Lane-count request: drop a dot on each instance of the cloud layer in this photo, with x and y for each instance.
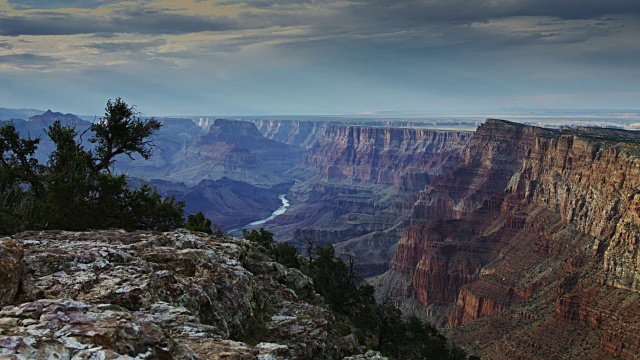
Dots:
(319, 56)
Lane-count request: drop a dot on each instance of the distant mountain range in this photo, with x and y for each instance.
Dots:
(7, 114)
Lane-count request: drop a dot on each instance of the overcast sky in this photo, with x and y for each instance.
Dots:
(196, 57)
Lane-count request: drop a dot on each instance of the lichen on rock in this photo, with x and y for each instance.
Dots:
(150, 295)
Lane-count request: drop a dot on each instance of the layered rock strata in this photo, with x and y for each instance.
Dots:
(382, 155)
(534, 230)
(176, 295)
(237, 150)
(293, 132)
(362, 178)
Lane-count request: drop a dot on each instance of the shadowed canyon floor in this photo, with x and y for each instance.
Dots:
(359, 182)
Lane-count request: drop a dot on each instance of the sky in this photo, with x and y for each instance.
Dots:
(268, 57)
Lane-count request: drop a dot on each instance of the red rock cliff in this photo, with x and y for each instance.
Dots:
(536, 249)
(381, 154)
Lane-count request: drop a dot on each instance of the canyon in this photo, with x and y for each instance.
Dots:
(354, 185)
(528, 247)
(229, 171)
(522, 241)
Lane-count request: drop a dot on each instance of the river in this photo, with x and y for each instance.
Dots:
(281, 210)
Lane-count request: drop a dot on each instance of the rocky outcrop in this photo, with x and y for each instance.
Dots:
(10, 270)
(382, 155)
(170, 295)
(534, 229)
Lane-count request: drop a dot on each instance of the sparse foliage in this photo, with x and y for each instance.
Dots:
(381, 325)
(20, 179)
(286, 254)
(75, 190)
(121, 131)
(261, 237)
(197, 222)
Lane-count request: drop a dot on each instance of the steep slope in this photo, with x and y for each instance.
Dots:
(293, 132)
(174, 136)
(176, 295)
(237, 150)
(231, 204)
(535, 252)
(381, 155)
(361, 176)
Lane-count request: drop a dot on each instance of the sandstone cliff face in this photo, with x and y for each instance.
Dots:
(534, 230)
(293, 132)
(360, 174)
(494, 153)
(382, 155)
(182, 295)
(593, 182)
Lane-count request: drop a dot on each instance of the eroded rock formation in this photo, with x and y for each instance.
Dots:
(362, 176)
(237, 150)
(181, 295)
(529, 246)
(382, 155)
(294, 132)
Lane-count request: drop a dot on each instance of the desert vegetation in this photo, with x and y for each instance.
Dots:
(378, 325)
(76, 189)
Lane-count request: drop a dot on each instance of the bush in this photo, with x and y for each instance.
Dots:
(262, 237)
(286, 254)
(198, 222)
(76, 189)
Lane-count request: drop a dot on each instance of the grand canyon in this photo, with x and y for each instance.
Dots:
(306, 179)
(519, 241)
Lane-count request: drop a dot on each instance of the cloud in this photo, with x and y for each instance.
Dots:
(56, 4)
(194, 32)
(26, 61)
(360, 51)
(127, 46)
(135, 21)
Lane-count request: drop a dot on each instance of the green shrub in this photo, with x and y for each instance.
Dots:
(76, 189)
(286, 254)
(262, 237)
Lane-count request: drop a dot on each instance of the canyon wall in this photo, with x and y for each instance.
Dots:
(382, 155)
(529, 246)
(293, 132)
(357, 182)
(236, 150)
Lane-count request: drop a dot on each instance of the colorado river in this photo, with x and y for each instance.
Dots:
(279, 211)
